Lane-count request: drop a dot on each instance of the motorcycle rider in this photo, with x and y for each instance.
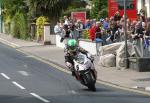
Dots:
(71, 50)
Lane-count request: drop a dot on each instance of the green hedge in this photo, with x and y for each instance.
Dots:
(19, 26)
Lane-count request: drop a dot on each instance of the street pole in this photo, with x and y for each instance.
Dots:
(125, 34)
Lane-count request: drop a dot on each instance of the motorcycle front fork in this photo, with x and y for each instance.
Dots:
(95, 73)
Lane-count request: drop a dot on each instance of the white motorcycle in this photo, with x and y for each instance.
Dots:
(84, 72)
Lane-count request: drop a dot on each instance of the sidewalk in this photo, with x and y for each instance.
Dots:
(125, 78)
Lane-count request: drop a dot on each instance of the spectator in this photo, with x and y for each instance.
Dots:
(88, 24)
(66, 20)
(106, 24)
(98, 30)
(128, 24)
(132, 27)
(66, 31)
(92, 32)
(142, 15)
(79, 27)
(61, 23)
(114, 30)
(139, 29)
(147, 36)
(108, 36)
(57, 28)
(132, 30)
(117, 16)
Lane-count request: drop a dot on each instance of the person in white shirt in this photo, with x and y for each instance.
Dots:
(66, 20)
(57, 28)
(79, 27)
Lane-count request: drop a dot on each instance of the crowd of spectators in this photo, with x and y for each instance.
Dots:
(109, 30)
(69, 28)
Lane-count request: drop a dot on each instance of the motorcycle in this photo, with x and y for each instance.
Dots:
(84, 72)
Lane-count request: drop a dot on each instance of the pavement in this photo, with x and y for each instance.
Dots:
(126, 78)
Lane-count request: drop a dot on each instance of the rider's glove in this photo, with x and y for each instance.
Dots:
(68, 64)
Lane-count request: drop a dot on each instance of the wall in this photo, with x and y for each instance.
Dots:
(58, 43)
(89, 46)
(85, 44)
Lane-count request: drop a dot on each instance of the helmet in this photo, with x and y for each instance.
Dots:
(72, 43)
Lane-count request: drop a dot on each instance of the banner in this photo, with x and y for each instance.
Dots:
(79, 16)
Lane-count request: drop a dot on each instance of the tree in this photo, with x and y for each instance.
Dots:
(76, 6)
(99, 9)
(13, 6)
(15, 18)
(50, 8)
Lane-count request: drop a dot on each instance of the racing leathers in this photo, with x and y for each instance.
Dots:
(70, 56)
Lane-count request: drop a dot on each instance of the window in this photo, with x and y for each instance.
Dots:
(129, 5)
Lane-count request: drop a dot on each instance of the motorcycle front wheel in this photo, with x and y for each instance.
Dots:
(90, 81)
(92, 87)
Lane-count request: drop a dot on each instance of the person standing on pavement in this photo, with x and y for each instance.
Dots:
(98, 30)
(92, 31)
(58, 31)
(79, 27)
(147, 36)
(117, 16)
(57, 28)
(66, 20)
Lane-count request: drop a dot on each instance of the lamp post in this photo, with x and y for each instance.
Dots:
(125, 34)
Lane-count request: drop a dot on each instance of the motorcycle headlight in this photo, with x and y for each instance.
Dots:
(80, 60)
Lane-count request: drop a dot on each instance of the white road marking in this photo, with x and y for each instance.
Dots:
(18, 85)
(24, 73)
(37, 96)
(4, 75)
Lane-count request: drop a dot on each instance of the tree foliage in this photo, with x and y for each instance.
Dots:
(99, 9)
(40, 25)
(19, 26)
(13, 6)
(50, 8)
(32, 9)
(14, 15)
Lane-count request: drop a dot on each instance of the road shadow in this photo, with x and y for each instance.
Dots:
(98, 90)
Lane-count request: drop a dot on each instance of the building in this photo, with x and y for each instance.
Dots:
(133, 7)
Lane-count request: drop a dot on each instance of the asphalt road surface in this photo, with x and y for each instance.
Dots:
(26, 80)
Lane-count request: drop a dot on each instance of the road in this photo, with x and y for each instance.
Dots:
(26, 80)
